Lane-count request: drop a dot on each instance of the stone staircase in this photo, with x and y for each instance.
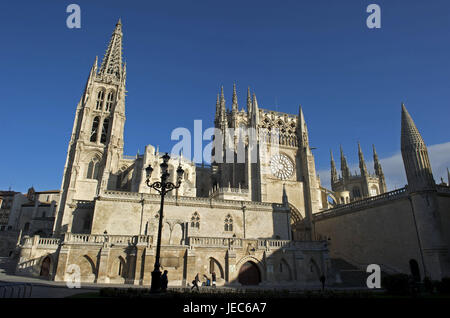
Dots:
(7, 266)
(348, 275)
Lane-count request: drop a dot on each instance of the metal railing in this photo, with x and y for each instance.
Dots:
(21, 290)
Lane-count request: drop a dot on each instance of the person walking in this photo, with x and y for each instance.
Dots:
(322, 280)
(213, 276)
(207, 281)
(195, 282)
(164, 281)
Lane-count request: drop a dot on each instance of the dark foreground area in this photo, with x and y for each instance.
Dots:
(270, 304)
(399, 292)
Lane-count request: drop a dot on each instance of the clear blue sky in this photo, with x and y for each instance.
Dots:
(349, 79)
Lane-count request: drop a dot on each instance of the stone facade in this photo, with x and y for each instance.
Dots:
(130, 259)
(263, 220)
(228, 217)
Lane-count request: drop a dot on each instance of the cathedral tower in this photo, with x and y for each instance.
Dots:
(277, 158)
(423, 199)
(415, 156)
(96, 143)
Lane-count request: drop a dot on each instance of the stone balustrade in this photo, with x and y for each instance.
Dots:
(270, 244)
(40, 241)
(193, 241)
(228, 190)
(72, 238)
(227, 242)
(88, 239)
(214, 242)
(48, 241)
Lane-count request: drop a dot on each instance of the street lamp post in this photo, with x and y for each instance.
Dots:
(163, 187)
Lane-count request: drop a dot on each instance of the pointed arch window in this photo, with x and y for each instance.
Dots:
(93, 166)
(195, 221)
(228, 227)
(94, 130)
(104, 130)
(100, 98)
(109, 101)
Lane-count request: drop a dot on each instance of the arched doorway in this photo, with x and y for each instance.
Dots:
(45, 267)
(249, 274)
(214, 266)
(414, 267)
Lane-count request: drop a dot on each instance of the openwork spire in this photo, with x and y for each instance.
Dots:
(333, 168)
(344, 167)
(218, 106)
(376, 163)
(234, 103)
(255, 103)
(378, 171)
(255, 110)
(112, 60)
(223, 109)
(249, 101)
(302, 128)
(362, 163)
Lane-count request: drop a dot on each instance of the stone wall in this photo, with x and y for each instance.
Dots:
(380, 232)
(130, 259)
(126, 213)
(444, 210)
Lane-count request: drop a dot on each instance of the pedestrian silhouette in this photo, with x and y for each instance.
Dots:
(322, 280)
(164, 281)
(195, 282)
(213, 276)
